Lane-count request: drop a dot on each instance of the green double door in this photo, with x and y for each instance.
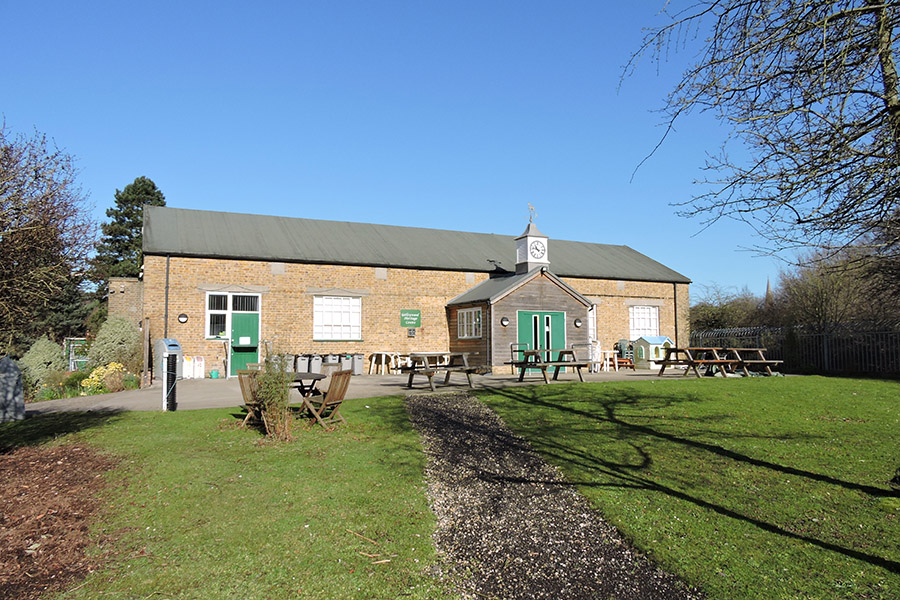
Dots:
(542, 330)
(244, 340)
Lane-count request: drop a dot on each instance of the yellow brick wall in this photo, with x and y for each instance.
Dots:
(125, 298)
(286, 305)
(614, 297)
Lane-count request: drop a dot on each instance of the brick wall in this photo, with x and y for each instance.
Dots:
(286, 306)
(614, 297)
(125, 298)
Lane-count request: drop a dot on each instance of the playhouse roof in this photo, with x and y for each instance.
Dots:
(655, 340)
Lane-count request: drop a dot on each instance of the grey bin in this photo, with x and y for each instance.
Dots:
(315, 363)
(301, 365)
(285, 360)
(165, 347)
(358, 363)
(346, 362)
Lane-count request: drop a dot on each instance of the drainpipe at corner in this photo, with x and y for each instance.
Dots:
(674, 297)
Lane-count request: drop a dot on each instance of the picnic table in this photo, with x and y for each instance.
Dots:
(537, 359)
(306, 383)
(432, 363)
(749, 357)
(715, 360)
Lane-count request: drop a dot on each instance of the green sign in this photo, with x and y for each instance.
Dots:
(410, 318)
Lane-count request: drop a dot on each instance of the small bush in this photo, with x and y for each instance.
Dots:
(114, 381)
(107, 378)
(73, 380)
(274, 394)
(132, 381)
(118, 341)
(43, 358)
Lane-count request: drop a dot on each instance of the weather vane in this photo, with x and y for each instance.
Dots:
(531, 213)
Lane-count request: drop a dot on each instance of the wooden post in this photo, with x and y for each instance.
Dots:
(147, 372)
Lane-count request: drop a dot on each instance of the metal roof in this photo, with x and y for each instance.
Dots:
(202, 233)
(495, 288)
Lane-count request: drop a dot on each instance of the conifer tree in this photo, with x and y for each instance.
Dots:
(119, 251)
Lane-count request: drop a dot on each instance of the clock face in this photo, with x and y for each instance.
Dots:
(537, 249)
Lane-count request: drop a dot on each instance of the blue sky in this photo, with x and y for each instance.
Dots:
(448, 115)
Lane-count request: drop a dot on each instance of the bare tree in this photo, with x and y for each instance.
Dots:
(45, 229)
(811, 90)
(828, 293)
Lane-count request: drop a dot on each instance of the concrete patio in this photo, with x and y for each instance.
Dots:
(193, 394)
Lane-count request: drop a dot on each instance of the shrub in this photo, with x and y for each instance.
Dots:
(273, 393)
(132, 381)
(53, 387)
(118, 341)
(43, 358)
(73, 380)
(107, 378)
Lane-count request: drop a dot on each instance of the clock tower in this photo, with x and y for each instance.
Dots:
(531, 250)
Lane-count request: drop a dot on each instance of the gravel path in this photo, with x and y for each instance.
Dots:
(509, 526)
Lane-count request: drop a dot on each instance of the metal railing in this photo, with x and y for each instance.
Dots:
(839, 351)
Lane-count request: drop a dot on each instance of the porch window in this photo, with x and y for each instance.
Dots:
(468, 323)
(216, 314)
(337, 318)
(643, 321)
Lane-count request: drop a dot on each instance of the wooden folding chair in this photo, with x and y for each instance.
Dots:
(249, 389)
(326, 409)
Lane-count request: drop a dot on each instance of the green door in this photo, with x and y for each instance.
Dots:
(244, 340)
(542, 330)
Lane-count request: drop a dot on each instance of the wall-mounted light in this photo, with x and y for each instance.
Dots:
(504, 321)
(182, 318)
(578, 323)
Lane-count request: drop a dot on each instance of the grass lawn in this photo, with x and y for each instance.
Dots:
(750, 488)
(204, 510)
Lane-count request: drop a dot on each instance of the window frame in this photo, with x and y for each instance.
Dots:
(651, 317)
(469, 323)
(323, 305)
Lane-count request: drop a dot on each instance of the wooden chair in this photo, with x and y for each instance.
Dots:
(325, 384)
(249, 390)
(326, 409)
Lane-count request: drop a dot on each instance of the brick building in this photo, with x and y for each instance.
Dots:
(231, 287)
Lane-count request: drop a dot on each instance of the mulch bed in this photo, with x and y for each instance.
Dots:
(510, 526)
(47, 498)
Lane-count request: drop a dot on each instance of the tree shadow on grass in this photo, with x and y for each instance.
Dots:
(40, 429)
(560, 443)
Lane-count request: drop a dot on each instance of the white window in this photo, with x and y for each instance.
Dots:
(468, 323)
(220, 306)
(643, 321)
(337, 318)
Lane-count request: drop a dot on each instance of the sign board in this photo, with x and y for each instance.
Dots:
(410, 318)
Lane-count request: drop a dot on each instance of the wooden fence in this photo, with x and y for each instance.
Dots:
(837, 352)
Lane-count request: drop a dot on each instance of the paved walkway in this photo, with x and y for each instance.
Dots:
(192, 394)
